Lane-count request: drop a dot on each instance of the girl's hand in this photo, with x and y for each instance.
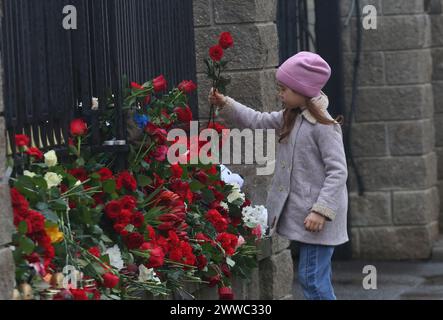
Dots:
(217, 99)
(314, 222)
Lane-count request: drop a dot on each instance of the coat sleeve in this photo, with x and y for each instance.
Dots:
(330, 143)
(239, 115)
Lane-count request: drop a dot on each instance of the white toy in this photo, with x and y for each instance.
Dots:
(229, 177)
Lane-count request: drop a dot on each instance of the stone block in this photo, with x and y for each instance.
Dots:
(355, 239)
(397, 243)
(437, 30)
(439, 152)
(371, 209)
(369, 139)
(438, 124)
(255, 46)
(437, 63)
(371, 69)
(7, 274)
(232, 11)
(416, 207)
(345, 6)
(408, 67)
(411, 137)
(393, 7)
(276, 275)
(6, 223)
(395, 33)
(202, 13)
(437, 87)
(395, 103)
(398, 173)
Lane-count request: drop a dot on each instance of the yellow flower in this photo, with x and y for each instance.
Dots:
(55, 234)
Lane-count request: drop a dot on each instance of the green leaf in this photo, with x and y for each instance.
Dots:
(50, 215)
(58, 205)
(143, 181)
(196, 186)
(26, 245)
(106, 239)
(42, 206)
(109, 186)
(22, 227)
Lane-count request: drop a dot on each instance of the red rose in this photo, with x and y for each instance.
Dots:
(159, 83)
(105, 174)
(78, 127)
(201, 262)
(79, 173)
(95, 251)
(113, 209)
(216, 52)
(187, 86)
(183, 114)
(21, 140)
(156, 255)
(135, 85)
(160, 153)
(225, 270)
(110, 280)
(225, 293)
(202, 177)
(137, 219)
(214, 280)
(159, 134)
(225, 40)
(128, 202)
(126, 179)
(134, 240)
(34, 152)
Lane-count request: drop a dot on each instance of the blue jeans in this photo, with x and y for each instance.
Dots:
(315, 272)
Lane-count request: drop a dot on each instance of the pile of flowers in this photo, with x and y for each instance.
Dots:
(85, 231)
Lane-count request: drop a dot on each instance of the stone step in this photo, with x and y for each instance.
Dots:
(437, 249)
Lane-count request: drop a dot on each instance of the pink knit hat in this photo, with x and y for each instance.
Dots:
(306, 73)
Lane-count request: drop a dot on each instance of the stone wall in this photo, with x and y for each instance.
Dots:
(393, 134)
(6, 227)
(252, 68)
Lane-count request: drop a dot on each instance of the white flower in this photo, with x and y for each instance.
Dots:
(78, 183)
(53, 179)
(29, 174)
(235, 193)
(255, 216)
(224, 205)
(146, 274)
(115, 257)
(51, 158)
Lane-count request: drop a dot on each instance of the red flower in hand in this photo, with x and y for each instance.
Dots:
(226, 40)
(216, 52)
(78, 127)
(21, 140)
(159, 83)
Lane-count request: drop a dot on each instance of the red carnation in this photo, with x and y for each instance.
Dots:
(79, 294)
(134, 240)
(225, 40)
(159, 83)
(201, 262)
(184, 114)
(78, 127)
(217, 220)
(187, 86)
(125, 179)
(228, 242)
(19, 202)
(176, 170)
(110, 280)
(160, 153)
(105, 174)
(216, 52)
(34, 152)
(113, 209)
(156, 255)
(21, 140)
(137, 219)
(225, 293)
(128, 202)
(95, 251)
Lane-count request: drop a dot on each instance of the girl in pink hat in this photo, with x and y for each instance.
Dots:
(308, 200)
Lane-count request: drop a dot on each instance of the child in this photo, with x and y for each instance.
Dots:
(308, 199)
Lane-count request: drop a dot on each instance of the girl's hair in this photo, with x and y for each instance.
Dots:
(290, 115)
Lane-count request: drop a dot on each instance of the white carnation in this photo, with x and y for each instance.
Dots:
(255, 216)
(146, 274)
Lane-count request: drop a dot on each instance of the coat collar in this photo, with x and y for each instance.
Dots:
(322, 102)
